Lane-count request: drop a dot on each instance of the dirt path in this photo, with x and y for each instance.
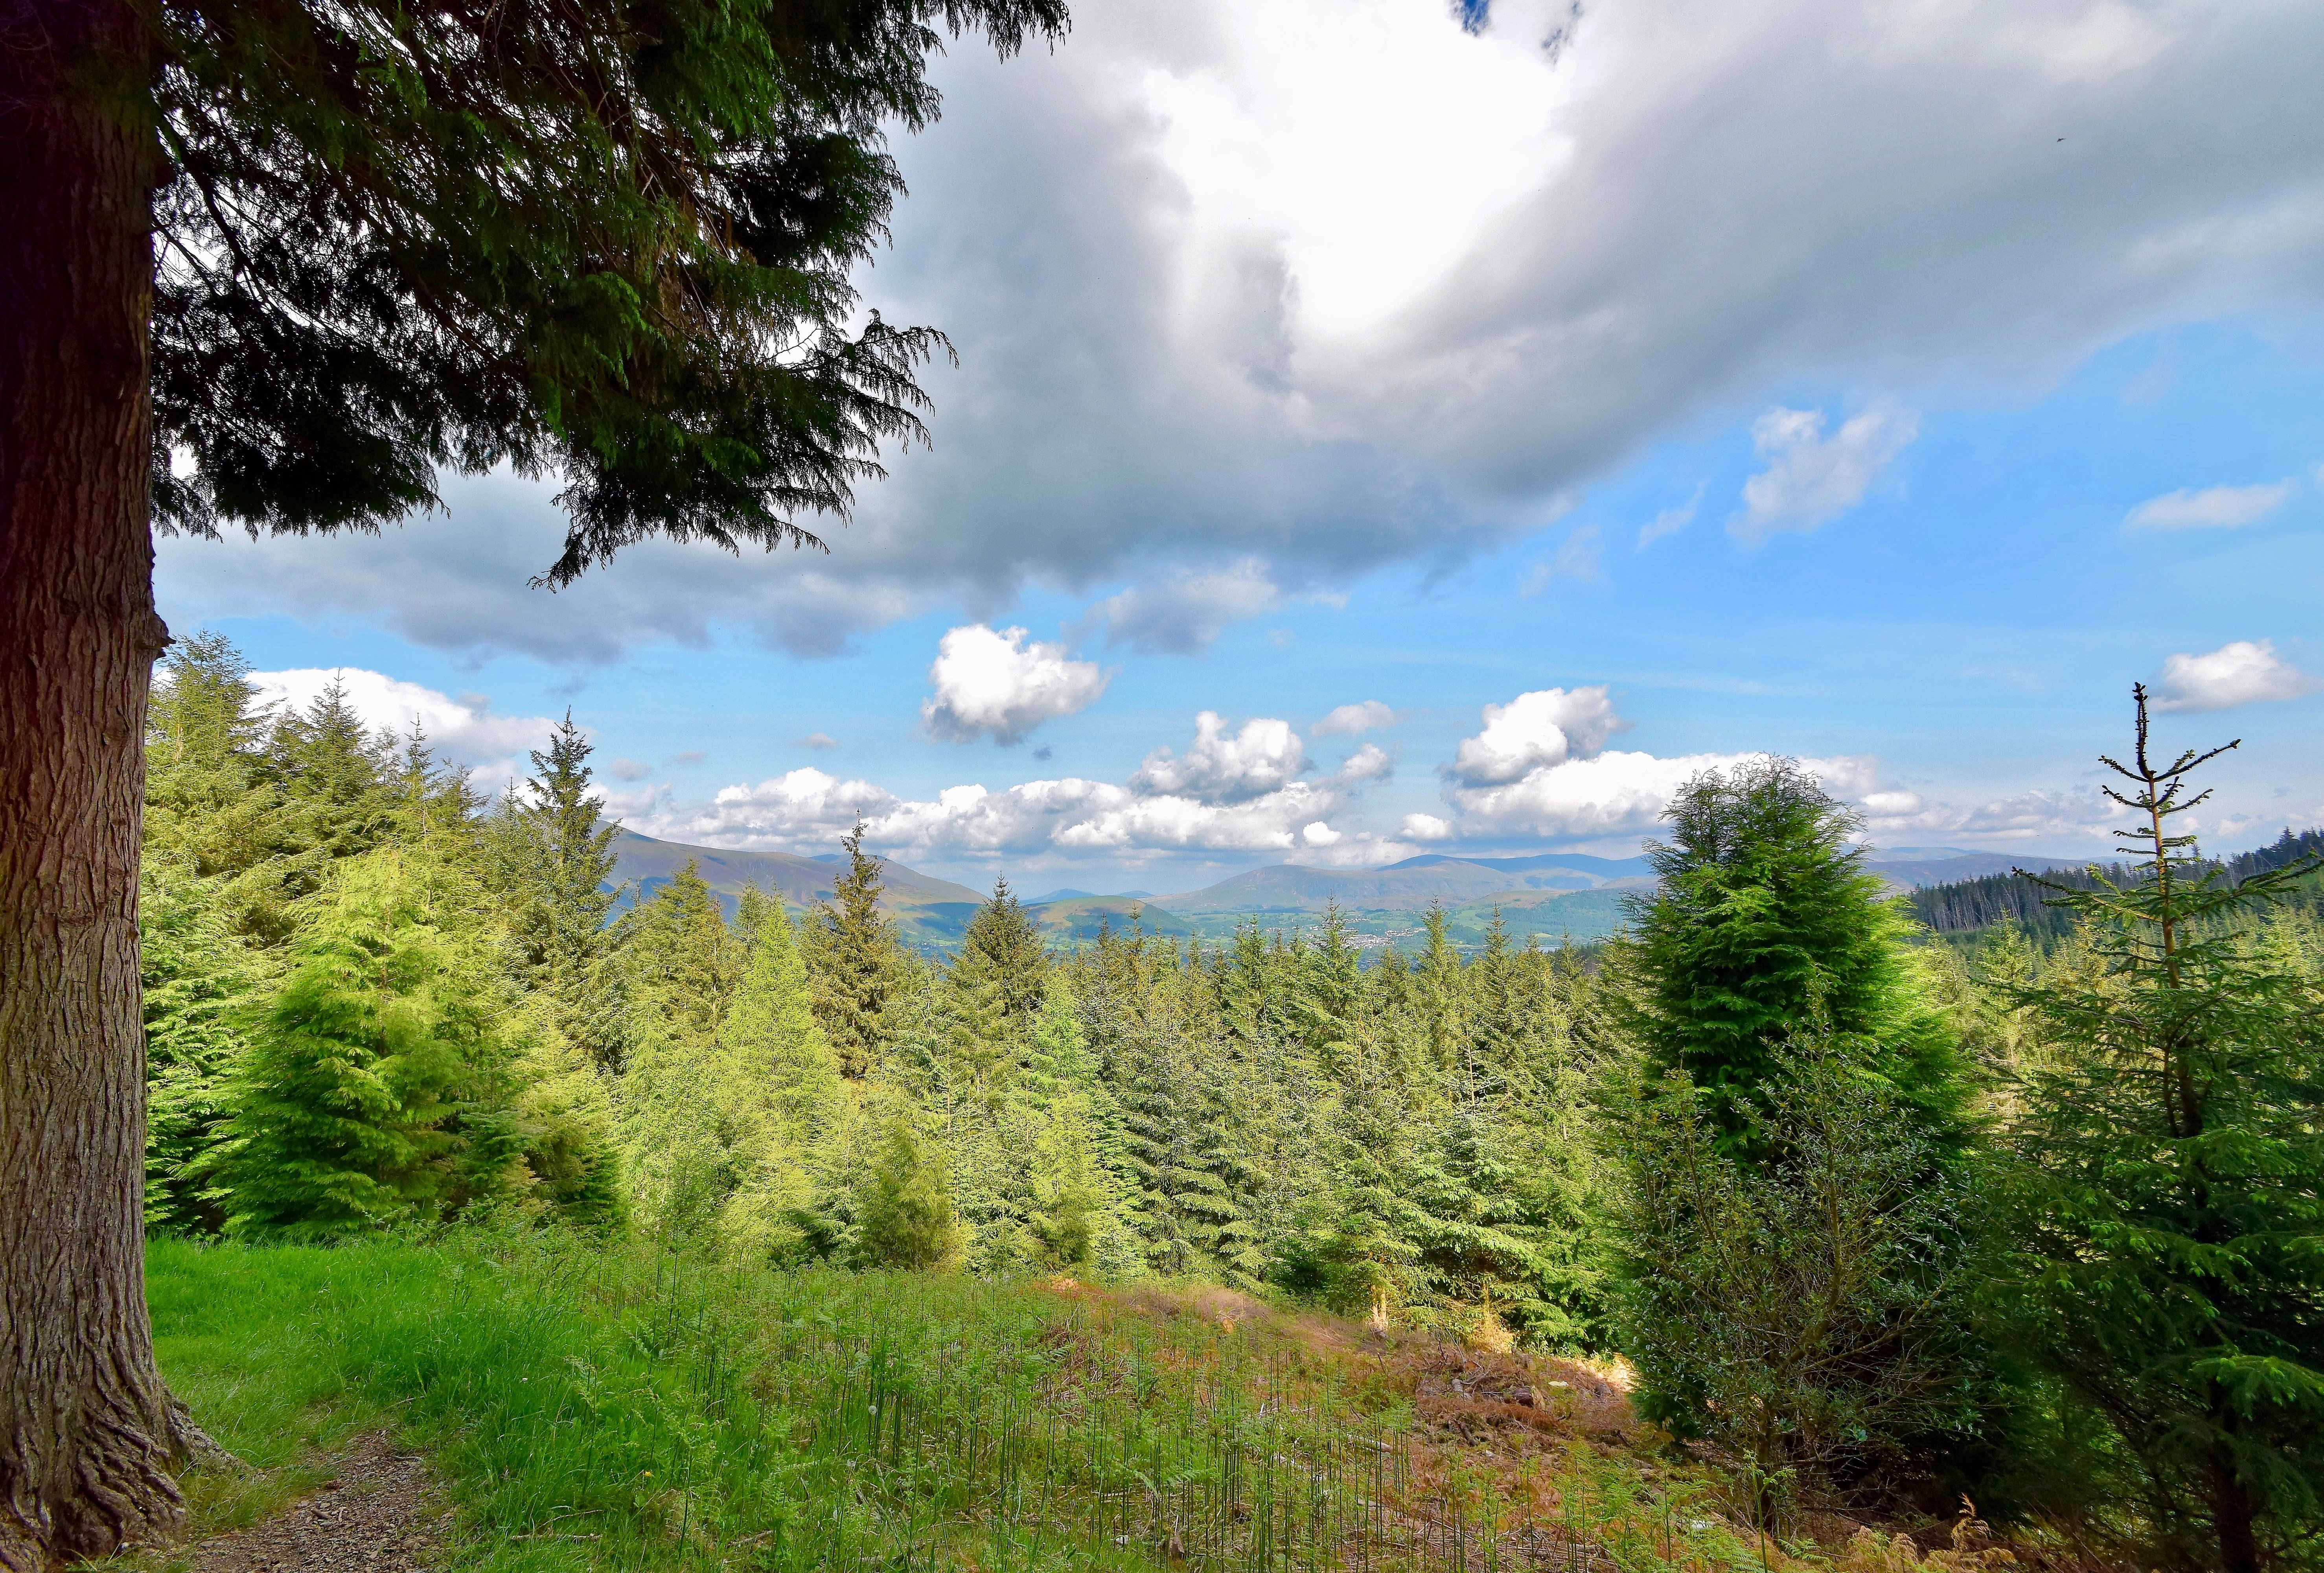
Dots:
(380, 1515)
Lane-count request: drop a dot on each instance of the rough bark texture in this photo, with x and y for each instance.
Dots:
(87, 1429)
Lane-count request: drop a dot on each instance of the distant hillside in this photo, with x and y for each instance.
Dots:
(1965, 906)
(1551, 896)
(930, 913)
(1069, 919)
(1406, 888)
(1913, 867)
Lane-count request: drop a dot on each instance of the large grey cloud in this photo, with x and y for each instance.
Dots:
(1289, 292)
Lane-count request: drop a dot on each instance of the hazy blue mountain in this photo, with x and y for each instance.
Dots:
(1552, 895)
(929, 912)
(1603, 868)
(1404, 888)
(1912, 867)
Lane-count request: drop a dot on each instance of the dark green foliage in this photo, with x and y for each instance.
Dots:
(1807, 1310)
(1794, 1130)
(1002, 966)
(2167, 1190)
(1766, 924)
(610, 243)
(369, 1092)
(337, 780)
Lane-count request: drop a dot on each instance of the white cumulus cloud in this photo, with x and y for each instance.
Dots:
(1812, 479)
(1365, 715)
(989, 682)
(1618, 792)
(1545, 727)
(1265, 756)
(1370, 763)
(1229, 792)
(808, 810)
(2212, 507)
(2244, 672)
(462, 730)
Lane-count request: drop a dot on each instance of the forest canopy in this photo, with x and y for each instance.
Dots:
(1836, 1193)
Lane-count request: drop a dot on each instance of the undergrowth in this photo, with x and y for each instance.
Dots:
(594, 1408)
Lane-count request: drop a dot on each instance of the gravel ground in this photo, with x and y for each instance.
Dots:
(381, 1514)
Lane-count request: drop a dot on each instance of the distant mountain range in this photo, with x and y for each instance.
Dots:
(1555, 895)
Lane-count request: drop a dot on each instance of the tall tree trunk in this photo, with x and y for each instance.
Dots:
(2233, 1516)
(87, 1429)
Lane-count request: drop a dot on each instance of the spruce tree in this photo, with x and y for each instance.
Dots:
(906, 1209)
(855, 957)
(554, 868)
(728, 1136)
(198, 986)
(1766, 925)
(2169, 1192)
(1795, 1108)
(776, 1044)
(373, 1090)
(679, 959)
(334, 777)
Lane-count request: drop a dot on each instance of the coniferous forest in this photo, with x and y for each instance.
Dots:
(1867, 1220)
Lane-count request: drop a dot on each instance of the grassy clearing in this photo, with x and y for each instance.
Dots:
(622, 1409)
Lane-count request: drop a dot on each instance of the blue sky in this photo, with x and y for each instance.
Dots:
(1725, 380)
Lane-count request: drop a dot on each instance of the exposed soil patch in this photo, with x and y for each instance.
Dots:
(1471, 1394)
(381, 1513)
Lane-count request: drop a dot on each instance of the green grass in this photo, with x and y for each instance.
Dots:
(618, 1408)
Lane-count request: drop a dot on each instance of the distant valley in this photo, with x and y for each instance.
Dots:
(1552, 895)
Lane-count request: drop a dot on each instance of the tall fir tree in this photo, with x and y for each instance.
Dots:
(553, 862)
(374, 1089)
(772, 1047)
(1765, 925)
(855, 960)
(1774, 1006)
(2169, 1191)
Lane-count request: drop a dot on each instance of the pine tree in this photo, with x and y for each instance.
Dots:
(336, 778)
(853, 956)
(373, 1089)
(2169, 1192)
(908, 1218)
(1765, 926)
(553, 864)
